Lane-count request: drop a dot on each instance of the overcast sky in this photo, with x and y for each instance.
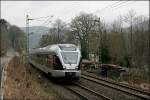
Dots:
(15, 11)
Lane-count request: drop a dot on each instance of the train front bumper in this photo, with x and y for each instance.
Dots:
(66, 73)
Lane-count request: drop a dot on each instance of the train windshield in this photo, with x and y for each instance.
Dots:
(70, 57)
(67, 48)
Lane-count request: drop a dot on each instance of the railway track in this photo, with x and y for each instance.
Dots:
(120, 87)
(86, 93)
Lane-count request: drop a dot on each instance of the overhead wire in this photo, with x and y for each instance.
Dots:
(107, 7)
(124, 4)
(47, 21)
(112, 6)
(40, 17)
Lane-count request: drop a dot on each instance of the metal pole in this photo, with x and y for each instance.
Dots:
(58, 34)
(100, 42)
(28, 38)
(26, 34)
(27, 31)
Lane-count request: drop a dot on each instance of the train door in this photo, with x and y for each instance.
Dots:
(57, 64)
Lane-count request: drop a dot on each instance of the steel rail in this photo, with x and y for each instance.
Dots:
(77, 93)
(105, 83)
(119, 84)
(92, 91)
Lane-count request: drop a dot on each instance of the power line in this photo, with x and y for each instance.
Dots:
(124, 4)
(107, 7)
(116, 5)
(39, 20)
(47, 21)
(40, 17)
(119, 3)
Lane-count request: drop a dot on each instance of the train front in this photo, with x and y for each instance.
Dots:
(70, 57)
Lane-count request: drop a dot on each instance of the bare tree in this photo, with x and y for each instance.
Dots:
(140, 40)
(129, 18)
(81, 27)
(56, 34)
(58, 29)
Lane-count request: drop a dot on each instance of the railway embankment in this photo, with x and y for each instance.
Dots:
(22, 84)
(4, 60)
(27, 82)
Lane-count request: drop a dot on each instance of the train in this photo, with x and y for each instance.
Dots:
(57, 60)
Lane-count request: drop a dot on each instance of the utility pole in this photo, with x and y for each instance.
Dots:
(131, 45)
(27, 31)
(58, 33)
(100, 39)
(27, 38)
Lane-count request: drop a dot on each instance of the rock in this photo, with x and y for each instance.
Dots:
(123, 82)
(39, 76)
(145, 86)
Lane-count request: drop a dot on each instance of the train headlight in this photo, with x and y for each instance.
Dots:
(64, 67)
(76, 67)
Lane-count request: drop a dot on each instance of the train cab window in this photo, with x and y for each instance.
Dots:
(70, 57)
(72, 48)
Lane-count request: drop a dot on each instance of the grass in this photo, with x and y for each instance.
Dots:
(20, 84)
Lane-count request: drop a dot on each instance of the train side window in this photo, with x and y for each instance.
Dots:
(54, 61)
(45, 60)
(49, 61)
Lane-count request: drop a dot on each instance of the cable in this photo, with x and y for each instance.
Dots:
(107, 7)
(123, 4)
(40, 17)
(119, 3)
(38, 20)
(47, 21)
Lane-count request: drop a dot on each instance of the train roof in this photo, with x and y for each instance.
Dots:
(53, 48)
